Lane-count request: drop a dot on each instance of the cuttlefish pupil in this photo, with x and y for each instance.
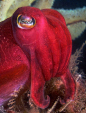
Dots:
(25, 22)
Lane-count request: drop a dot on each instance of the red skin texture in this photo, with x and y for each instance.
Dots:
(33, 56)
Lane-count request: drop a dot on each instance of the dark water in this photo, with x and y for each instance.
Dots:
(69, 4)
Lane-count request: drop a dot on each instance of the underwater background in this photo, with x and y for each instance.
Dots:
(78, 62)
(69, 4)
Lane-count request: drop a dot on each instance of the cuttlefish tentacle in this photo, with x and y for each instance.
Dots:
(69, 85)
(37, 84)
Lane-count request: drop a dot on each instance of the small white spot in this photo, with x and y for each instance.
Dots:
(4, 38)
(79, 76)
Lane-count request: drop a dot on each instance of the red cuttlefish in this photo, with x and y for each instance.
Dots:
(35, 45)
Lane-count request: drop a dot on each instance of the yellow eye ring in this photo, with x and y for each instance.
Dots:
(25, 22)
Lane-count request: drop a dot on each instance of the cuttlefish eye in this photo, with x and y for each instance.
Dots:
(25, 22)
